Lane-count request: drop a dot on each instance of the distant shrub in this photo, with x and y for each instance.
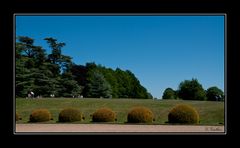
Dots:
(104, 115)
(40, 115)
(169, 93)
(140, 115)
(70, 115)
(183, 113)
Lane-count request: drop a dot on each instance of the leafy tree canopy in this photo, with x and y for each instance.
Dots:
(214, 94)
(191, 90)
(169, 93)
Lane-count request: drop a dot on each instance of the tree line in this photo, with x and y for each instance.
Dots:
(193, 90)
(56, 74)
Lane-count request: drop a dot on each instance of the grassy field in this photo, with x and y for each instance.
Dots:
(211, 113)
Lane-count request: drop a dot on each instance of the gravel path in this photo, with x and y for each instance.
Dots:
(116, 128)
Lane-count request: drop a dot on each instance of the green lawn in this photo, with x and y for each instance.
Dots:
(211, 112)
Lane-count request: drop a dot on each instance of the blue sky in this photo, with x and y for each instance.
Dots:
(161, 50)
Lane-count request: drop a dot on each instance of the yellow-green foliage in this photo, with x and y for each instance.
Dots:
(140, 115)
(104, 115)
(183, 113)
(17, 117)
(70, 115)
(40, 115)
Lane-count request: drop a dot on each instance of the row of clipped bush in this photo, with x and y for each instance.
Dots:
(182, 113)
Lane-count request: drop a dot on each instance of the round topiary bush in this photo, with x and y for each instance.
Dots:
(70, 115)
(104, 115)
(40, 115)
(140, 115)
(183, 113)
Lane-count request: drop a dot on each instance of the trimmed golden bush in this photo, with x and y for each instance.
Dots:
(40, 115)
(17, 116)
(70, 115)
(140, 115)
(104, 115)
(183, 113)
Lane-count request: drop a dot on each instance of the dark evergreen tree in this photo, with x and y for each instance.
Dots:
(25, 45)
(54, 73)
(25, 63)
(56, 58)
(69, 87)
(97, 86)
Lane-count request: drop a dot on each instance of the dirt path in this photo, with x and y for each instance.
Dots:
(115, 128)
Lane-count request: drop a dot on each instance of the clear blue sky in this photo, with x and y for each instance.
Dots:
(161, 51)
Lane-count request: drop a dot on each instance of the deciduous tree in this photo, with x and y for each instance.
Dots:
(214, 94)
(169, 93)
(191, 90)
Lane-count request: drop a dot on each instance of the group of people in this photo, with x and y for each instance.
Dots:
(30, 94)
